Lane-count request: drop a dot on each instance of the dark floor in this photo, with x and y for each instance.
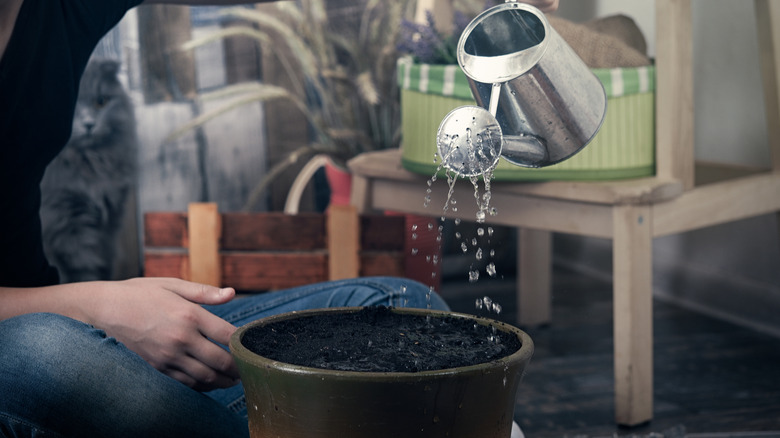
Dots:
(711, 378)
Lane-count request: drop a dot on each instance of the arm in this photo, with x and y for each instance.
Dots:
(161, 319)
(205, 2)
(544, 5)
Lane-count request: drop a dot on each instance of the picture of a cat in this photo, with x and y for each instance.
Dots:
(86, 187)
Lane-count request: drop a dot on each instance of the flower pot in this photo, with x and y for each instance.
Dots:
(290, 401)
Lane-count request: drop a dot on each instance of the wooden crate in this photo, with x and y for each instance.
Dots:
(266, 251)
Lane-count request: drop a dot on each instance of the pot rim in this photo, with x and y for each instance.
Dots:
(523, 354)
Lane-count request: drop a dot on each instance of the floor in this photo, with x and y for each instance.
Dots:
(712, 378)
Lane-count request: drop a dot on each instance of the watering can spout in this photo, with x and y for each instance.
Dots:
(525, 150)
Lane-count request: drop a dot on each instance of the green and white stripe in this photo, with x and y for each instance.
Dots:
(443, 80)
(624, 81)
(450, 81)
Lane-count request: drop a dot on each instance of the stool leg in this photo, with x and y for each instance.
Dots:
(534, 274)
(360, 194)
(633, 314)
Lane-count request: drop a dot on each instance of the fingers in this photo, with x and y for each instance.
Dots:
(166, 324)
(195, 375)
(214, 364)
(200, 363)
(544, 5)
(197, 292)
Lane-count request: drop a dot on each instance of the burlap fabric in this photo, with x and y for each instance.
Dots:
(608, 42)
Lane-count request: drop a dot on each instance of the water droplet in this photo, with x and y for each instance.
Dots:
(464, 247)
(491, 269)
(430, 226)
(473, 276)
(457, 234)
(457, 221)
(490, 231)
(497, 308)
(480, 231)
(414, 251)
(414, 227)
(479, 305)
(474, 241)
(414, 236)
(478, 255)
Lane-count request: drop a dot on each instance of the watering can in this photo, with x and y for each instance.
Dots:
(537, 102)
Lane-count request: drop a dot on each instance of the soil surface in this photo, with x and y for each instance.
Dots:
(379, 340)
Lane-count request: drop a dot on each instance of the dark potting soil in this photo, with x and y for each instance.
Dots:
(379, 340)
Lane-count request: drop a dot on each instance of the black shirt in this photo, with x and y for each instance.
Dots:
(39, 78)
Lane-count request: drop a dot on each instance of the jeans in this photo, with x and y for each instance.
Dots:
(62, 378)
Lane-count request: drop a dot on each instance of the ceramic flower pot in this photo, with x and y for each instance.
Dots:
(292, 401)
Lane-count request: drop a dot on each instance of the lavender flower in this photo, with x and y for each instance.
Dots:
(426, 44)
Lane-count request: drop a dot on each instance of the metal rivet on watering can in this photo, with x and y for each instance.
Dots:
(538, 103)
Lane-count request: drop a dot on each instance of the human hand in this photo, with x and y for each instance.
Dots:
(161, 319)
(543, 5)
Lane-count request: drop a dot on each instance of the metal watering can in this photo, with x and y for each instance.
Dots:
(538, 103)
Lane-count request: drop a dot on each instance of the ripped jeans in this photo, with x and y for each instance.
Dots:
(62, 378)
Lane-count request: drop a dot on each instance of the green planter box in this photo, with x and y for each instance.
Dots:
(623, 148)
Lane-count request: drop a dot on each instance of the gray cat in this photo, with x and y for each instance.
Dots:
(85, 188)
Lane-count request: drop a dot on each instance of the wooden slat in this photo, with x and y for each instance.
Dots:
(242, 231)
(266, 271)
(165, 229)
(718, 203)
(534, 267)
(372, 168)
(633, 314)
(380, 232)
(273, 231)
(382, 264)
(204, 228)
(768, 26)
(343, 242)
(674, 96)
(166, 264)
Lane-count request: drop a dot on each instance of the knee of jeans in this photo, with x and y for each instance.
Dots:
(41, 333)
(406, 292)
(35, 348)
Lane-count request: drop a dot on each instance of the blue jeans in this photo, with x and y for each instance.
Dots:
(62, 378)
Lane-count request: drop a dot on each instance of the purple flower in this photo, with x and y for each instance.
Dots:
(426, 44)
